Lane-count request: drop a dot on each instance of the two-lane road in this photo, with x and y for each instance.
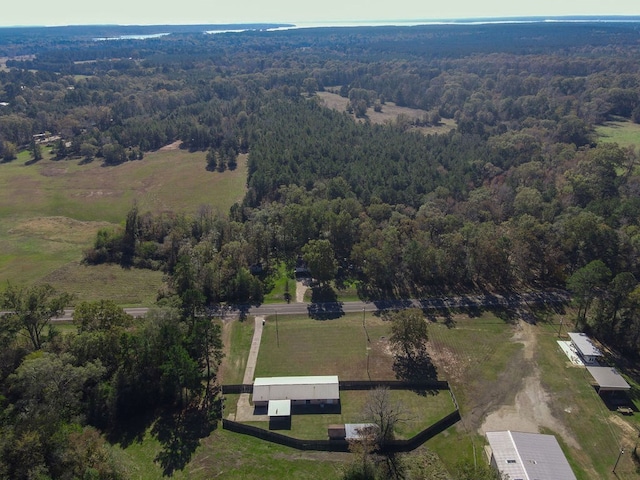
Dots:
(515, 300)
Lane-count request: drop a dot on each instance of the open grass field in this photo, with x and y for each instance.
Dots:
(326, 347)
(622, 132)
(50, 212)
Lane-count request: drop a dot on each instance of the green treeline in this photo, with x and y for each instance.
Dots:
(110, 374)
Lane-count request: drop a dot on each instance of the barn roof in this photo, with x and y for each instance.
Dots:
(584, 344)
(608, 378)
(296, 388)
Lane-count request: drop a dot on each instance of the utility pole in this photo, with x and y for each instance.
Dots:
(619, 455)
(277, 336)
(560, 328)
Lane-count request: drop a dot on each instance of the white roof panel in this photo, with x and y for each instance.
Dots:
(584, 344)
(529, 456)
(354, 431)
(279, 408)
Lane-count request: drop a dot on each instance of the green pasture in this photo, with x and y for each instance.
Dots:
(298, 345)
(622, 132)
(126, 287)
(50, 212)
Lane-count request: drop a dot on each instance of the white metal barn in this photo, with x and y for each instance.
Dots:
(317, 390)
(528, 456)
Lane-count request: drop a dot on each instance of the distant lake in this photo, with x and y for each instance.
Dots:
(130, 37)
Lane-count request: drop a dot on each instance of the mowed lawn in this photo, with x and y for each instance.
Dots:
(298, 345)
(50, 211)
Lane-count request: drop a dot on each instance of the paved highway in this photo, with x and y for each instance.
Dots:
(336, 309)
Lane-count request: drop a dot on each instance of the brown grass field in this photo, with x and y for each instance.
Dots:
(389, 113)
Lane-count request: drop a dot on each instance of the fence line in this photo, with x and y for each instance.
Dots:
(390, 446)
(359, 385)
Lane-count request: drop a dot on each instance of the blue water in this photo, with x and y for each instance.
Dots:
(130, 37)
(407, 23)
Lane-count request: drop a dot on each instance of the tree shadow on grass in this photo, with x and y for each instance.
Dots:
(131, 427)
(180, 433)
(324, 303)
(417, 369)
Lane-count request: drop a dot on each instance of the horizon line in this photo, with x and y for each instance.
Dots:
(376, 22)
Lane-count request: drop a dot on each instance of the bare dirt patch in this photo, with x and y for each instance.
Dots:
(301, 288)
(172, 146)
(529, 411)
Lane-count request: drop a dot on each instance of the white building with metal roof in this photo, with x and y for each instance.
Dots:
(528, 456)
(585, 347)
(312, 390)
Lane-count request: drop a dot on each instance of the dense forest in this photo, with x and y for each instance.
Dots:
(521, 195)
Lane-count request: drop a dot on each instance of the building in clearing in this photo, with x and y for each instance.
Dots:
(528, 456)
(585, 348)
(319, 390)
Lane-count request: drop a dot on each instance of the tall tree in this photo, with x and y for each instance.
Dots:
(585, 284)
(409, 332)
(320, 258)
(384, 412)
(32, 308)
(100, 316)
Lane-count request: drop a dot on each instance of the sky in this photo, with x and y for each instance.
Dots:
(147, 12)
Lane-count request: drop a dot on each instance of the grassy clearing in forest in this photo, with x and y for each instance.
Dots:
(622, 132)
(389, 113)
(50, 212)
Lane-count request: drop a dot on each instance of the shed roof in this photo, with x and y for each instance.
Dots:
(354, 431)
(279, 408)
(584, 344)
(296, 388)
(529, 456)
(608, 378)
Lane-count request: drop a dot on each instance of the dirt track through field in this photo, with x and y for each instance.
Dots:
(530, 410)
